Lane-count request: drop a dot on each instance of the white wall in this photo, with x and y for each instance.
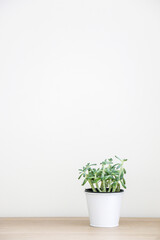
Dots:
(79, 82)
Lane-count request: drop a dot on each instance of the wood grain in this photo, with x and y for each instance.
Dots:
(77, 229)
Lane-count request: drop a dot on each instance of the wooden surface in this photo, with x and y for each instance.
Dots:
(77, 229)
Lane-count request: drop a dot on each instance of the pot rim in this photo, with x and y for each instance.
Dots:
(89, 191)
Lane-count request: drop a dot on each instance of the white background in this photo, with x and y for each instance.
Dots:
(79, 82)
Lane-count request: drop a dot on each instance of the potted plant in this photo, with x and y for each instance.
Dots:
(104, 196)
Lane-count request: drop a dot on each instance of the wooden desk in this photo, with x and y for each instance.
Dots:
(77, 229)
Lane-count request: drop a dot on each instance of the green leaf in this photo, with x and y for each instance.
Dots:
(124, 170)
(80, 176)
(124, 181)
(108, 177)
(115, 172)
(117, 178)
(96, 180)
(110, 160)
(90, 177)
(123, 185)
(117, 166)
(121, 175)
(118, 158)
(84, 182)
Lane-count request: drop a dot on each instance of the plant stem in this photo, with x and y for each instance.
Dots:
(101, 185)
(118, 188)
(104, 186)
(109, 185)
(103, 181)
(97, 186)
(92, 186)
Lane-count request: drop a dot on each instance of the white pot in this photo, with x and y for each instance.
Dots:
(104, 208)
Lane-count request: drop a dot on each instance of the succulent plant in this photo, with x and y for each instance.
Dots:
(108, 178)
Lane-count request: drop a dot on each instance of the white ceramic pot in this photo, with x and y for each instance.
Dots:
(104, 208)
